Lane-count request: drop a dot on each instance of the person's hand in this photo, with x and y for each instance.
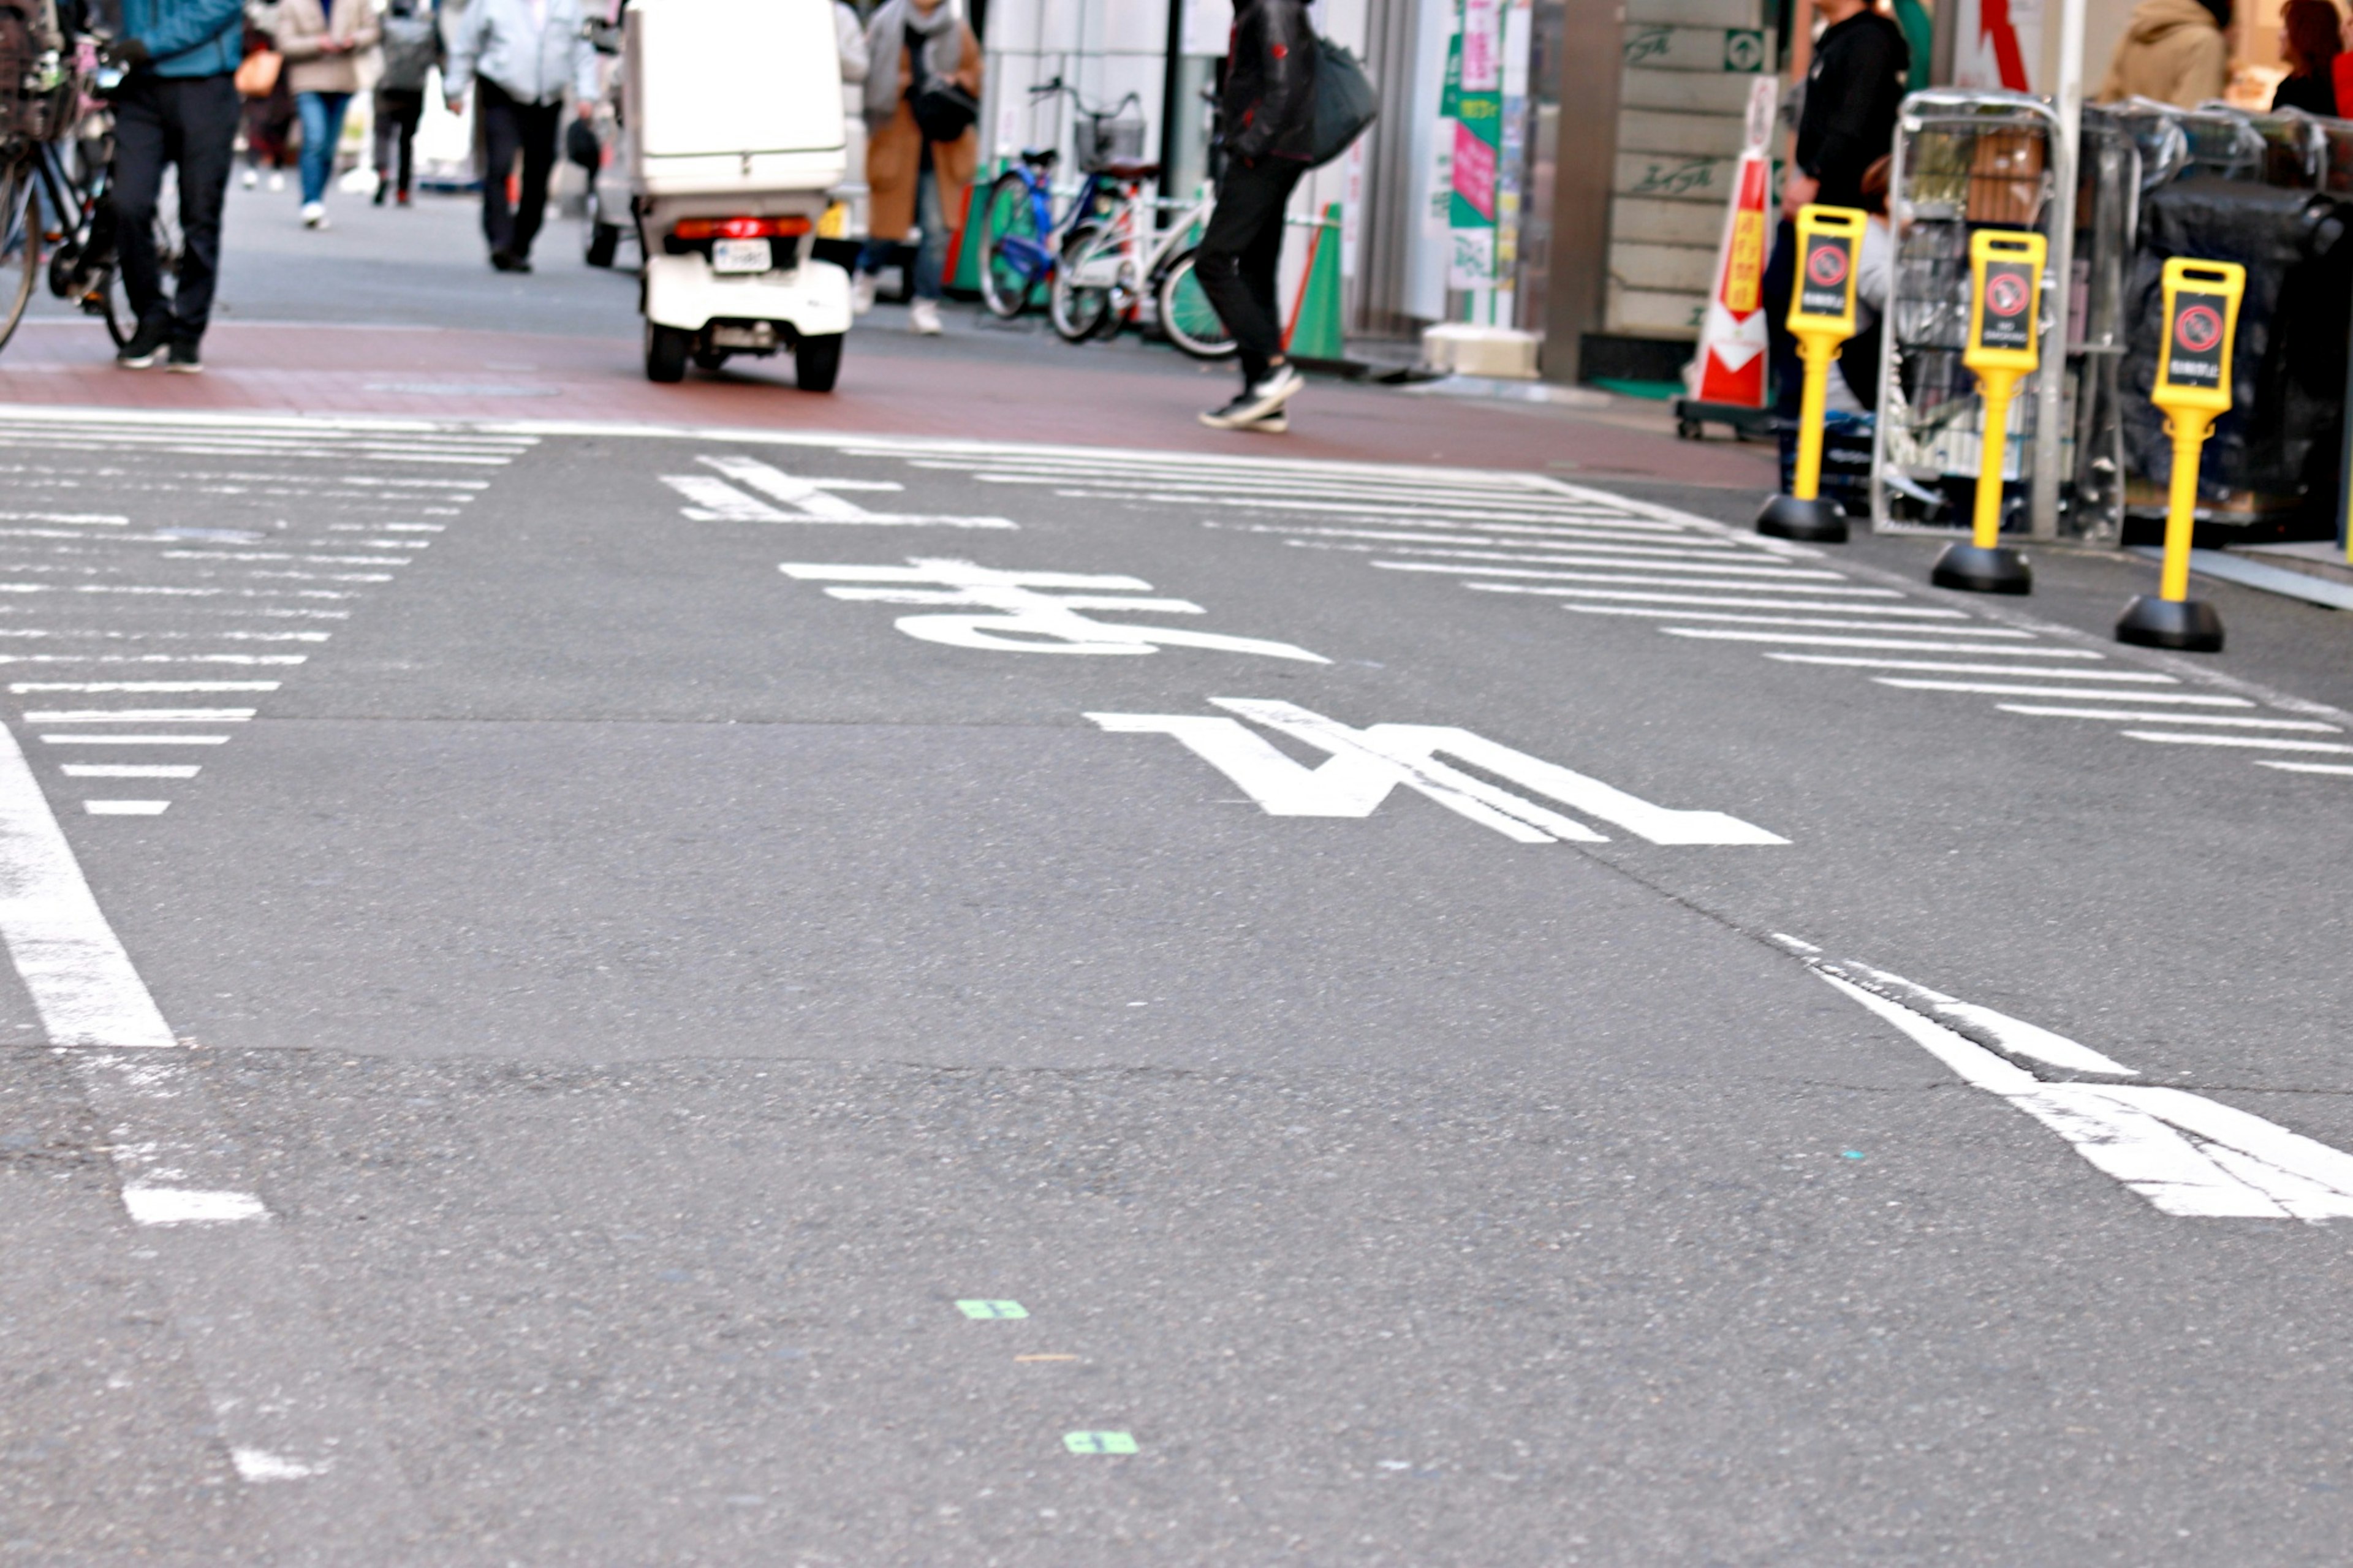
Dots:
(1797, 190)
(457, 102)
(127, 53)
(335, 46)
(587, 109)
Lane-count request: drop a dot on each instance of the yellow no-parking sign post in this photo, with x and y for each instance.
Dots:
(2193, 388)
(2005, 347)
(1822, 317)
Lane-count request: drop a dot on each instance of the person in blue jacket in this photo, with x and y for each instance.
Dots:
(177, 104)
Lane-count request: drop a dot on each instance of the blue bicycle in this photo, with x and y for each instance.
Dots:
(1024, 237)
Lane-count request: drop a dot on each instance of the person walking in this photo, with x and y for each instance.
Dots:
(2173, 51)
(412, 47)
(177, 104)
(269, 110)
(2311, 37)
(915, 176)
(526, 53)
(1266, 113)
(322, 40)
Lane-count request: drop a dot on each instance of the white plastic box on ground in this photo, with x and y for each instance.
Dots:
(735, 106)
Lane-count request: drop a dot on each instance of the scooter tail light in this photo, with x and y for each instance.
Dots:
(743, 227)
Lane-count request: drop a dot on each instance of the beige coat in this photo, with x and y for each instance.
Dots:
(2172, 52)
(895, 157)
(303, 29)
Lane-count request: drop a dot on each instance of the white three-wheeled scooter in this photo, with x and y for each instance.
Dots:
(734, 137)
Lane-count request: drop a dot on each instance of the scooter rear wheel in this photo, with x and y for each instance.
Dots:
(817, 361)
(666, 349)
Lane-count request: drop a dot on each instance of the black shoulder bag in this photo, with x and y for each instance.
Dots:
(944, 111)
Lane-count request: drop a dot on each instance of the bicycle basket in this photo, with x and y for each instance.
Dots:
(32, 95)
(1103, 141)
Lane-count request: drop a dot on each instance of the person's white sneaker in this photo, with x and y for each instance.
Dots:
(314, 214)
(277, 179)
(1258, 407)
(861, 294)
(253, 178)
(923, 317)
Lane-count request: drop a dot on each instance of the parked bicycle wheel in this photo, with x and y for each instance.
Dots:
(1009, 259)
(1078, 310)
(20, 244)
(1187, 315)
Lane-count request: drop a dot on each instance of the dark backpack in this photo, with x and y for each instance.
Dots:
(1346, 103)
(944, 111)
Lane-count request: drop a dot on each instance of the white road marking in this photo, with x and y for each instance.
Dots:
(2186, 1154)
(139, 716)
(91, 519)
(2128, 716)
(180, 1205)
(1809, 639)
(21, 687)
(129, 769)
(1651, 560)
(1632, 596)
(805, 500)
(125, 807)
(1366, 765)
(1539, 536)
(1989, 688)
(1816, 585)
(2147, 677)
(1815, 621)
(2012, 1036)
(2305, 767)
(256, 1466)
(2249, 742)
(1023, 619)
(80, 980)
(134, 740)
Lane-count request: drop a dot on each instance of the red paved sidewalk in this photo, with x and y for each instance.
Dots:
(892, 387)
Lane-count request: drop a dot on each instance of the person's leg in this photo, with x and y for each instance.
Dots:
(1261, 259)
(310, 108)
(408, 109)
(1250, 201)
(540, 123)
(208, 108)
(931, 255)
(501, 138)
(138, 178)
(386, 128)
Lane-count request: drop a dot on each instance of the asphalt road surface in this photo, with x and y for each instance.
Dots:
(658, 997)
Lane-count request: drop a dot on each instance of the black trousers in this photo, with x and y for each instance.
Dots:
(1239, 253)
(190, 121)
(397, 111)
(509, 127)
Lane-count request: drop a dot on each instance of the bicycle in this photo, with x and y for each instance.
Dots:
(1108, 268)
(1023, 234)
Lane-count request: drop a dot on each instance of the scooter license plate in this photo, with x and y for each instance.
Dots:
(739, 256)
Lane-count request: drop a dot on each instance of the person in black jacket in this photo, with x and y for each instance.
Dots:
(1266, 107)
(1848, 123)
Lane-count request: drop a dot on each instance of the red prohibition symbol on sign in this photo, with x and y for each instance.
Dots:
(1827, 265)
(2006, 294)
(2198, 328)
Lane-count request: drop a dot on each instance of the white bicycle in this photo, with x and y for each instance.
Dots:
(1112, 262)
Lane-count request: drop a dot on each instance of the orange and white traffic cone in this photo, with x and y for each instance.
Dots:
(1726, 379)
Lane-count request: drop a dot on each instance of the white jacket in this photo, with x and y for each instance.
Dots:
(533, 61)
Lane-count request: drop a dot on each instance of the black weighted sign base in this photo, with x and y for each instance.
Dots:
(2188, 624)
(1997, 569)
(1810, 521)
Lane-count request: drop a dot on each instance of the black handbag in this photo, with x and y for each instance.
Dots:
(944, 111)
(1346, 103)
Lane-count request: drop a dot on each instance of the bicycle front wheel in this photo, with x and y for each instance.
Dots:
(1187, 318)
(20, 244)
(1078, 311)
(1012, 251)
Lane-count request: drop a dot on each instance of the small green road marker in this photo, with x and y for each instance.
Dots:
(993, 1309)
(1099, 1442)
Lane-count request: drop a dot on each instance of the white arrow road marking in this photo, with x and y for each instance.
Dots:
(2185, 1154)
(1022, 619)
(803, 500)
(1367, 764)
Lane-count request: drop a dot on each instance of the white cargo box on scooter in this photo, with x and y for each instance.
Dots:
(733, 108)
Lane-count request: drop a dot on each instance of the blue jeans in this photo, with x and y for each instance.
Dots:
(322, 127)
(931, 257)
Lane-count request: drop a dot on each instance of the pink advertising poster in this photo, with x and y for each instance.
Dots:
(1474, 171)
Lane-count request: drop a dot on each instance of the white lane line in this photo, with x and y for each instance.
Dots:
(80, 981)
(1941, 631)
(1720, 565)
(1982, 688)
(129, 769)
(83, 518)
(1645, 597)
(2250, 741)
(1539, 535)
(134, 740)
(125, 807)
(242, 659)
(140, 716)
(184, 1205)
(1807, 640)
(2184, 1153)
(2011, 1037)
(21, 687)
(2337, 768)
(1816, 586)
(2126, 715)
(2037, 672)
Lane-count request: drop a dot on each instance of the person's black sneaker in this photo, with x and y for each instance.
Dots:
(383, 189)
(501, 261)
(1260, 402)
(144, 345)
(518, 263)
(184, 360)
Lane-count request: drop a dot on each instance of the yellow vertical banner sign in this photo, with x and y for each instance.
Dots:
(2005, 347)
(2193, 388)
(1822, 317)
